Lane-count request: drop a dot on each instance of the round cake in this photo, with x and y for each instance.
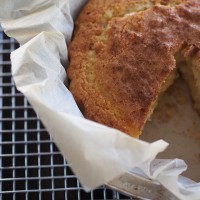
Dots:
(125, 53)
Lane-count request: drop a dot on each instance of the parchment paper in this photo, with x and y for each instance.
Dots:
(96, 153)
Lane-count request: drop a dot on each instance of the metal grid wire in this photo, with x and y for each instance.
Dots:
(31, 167)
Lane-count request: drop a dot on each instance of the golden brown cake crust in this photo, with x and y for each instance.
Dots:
(123, 51)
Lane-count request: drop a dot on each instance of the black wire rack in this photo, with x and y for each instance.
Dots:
(31, 166)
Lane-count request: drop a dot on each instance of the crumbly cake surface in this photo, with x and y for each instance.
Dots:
(123, 52)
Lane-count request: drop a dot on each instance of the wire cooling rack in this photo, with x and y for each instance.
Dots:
(31, 166)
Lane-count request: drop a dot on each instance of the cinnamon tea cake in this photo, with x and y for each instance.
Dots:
(125, 53)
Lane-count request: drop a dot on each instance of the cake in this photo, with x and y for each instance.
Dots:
(125, 53)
